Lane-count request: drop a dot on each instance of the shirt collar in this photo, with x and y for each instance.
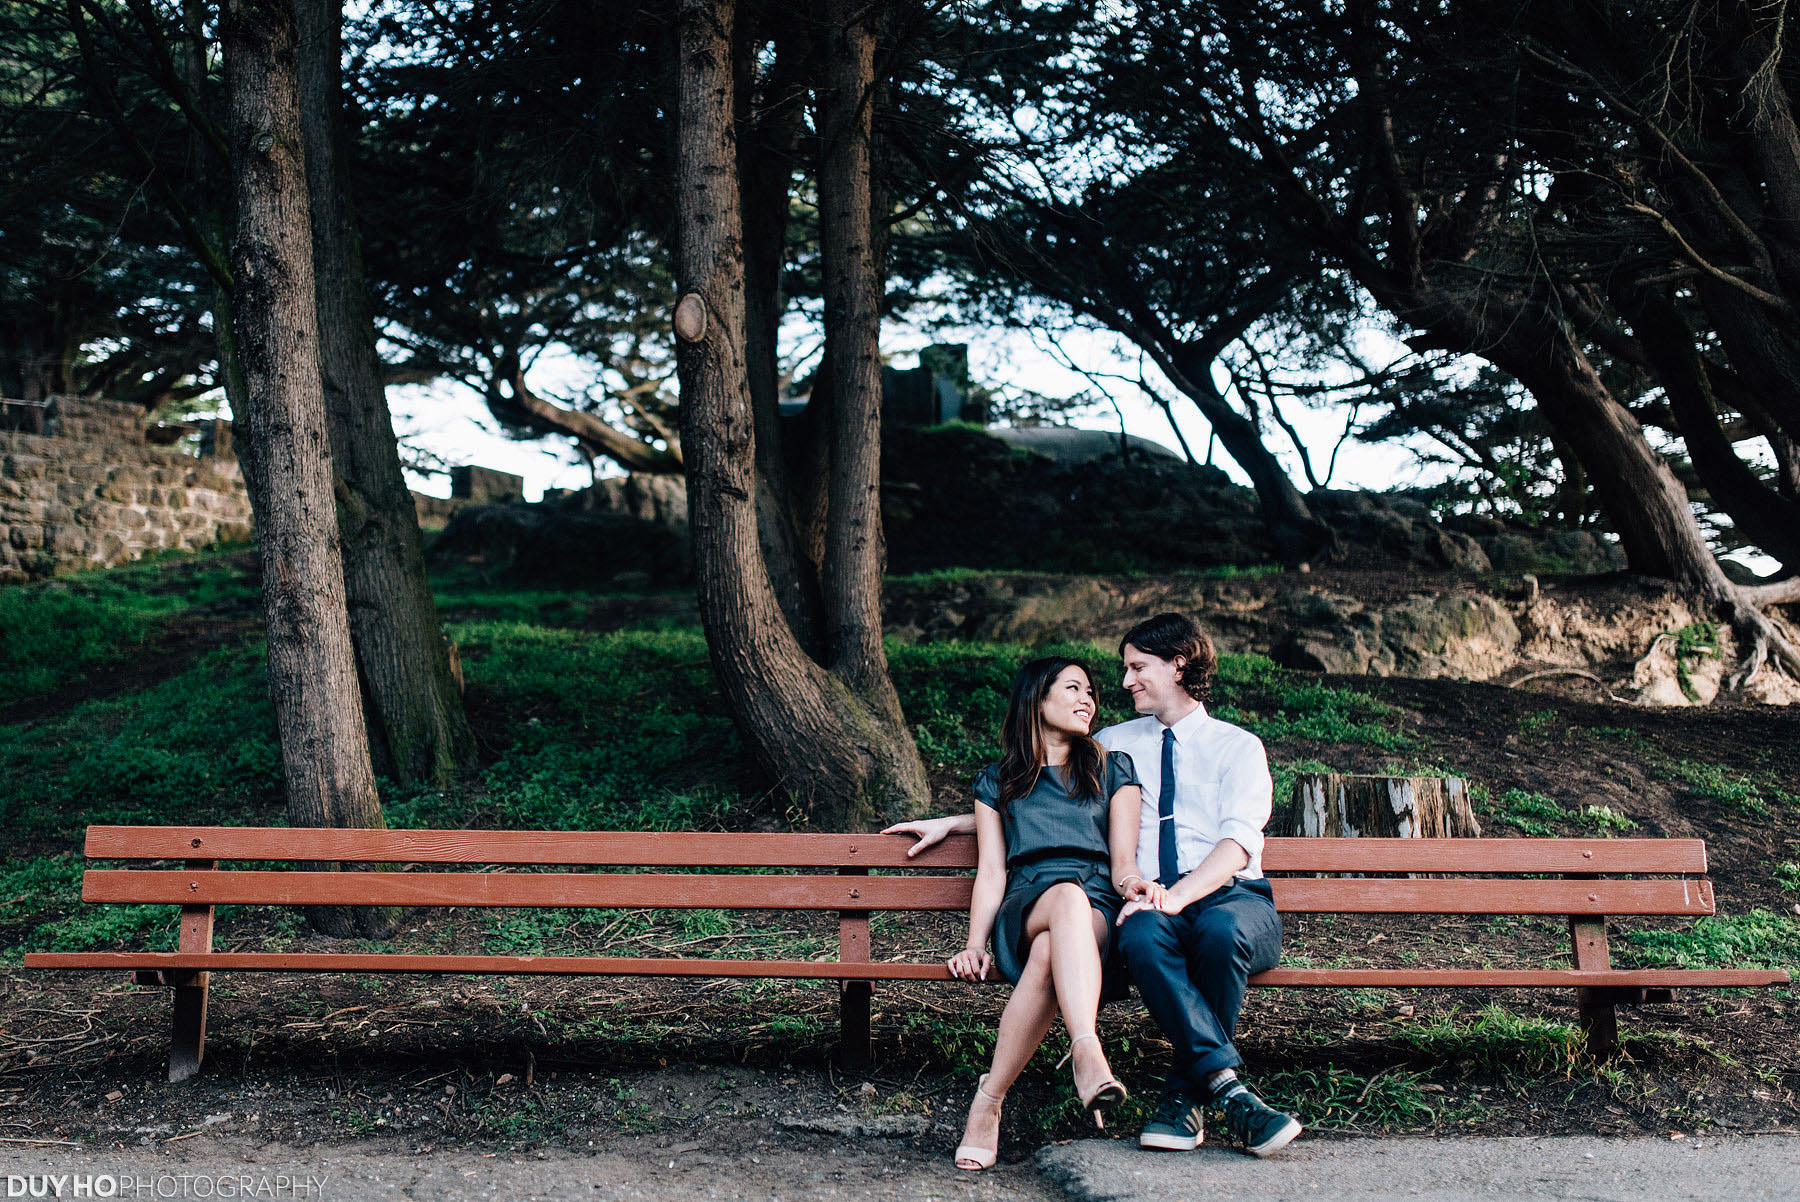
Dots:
(1189, 726)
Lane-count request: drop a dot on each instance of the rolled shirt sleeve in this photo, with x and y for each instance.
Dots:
(1246, 799)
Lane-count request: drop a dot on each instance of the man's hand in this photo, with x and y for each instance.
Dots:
(929, 831)
(970, 964)
(1140, 894)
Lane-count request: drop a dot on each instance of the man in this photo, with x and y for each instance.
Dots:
(1192, 937)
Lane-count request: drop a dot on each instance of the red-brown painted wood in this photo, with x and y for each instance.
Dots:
(830, 970)
(652, 849)
(1293, 895)
(647, 849)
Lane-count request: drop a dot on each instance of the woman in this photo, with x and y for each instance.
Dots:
(1048, 888)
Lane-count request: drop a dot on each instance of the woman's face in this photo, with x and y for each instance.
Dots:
(1069, 705)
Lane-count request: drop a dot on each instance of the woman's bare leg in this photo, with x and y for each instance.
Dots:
(1023, 1024)
(1076, 932)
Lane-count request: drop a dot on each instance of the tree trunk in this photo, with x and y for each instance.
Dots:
(285, 450)
(817, 736)
(1760, 513)
(766, 160)
(417, 716)
(1299, 536)
(1333, 805)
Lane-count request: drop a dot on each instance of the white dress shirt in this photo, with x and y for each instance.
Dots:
(1222, 787)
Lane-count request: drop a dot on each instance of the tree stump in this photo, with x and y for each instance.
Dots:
(1395, 807)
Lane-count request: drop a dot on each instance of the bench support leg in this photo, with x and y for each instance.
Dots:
(855, 1046)
(187, 1043)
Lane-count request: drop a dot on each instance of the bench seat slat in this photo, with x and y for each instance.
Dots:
(1299, 895)
(653, 849)
(832, 970)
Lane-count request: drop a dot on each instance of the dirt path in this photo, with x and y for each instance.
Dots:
(792, 1165)
(1439, 1170)
(782, 1165)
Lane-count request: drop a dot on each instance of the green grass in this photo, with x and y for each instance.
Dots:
(1531, 813)
(1498, 1040)
(1328, 1097)
(1302, 708)
(1738, 791)
(1759, 939)
(60, 630)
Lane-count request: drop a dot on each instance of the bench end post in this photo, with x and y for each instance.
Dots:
(855, 1039)
(187, 1041)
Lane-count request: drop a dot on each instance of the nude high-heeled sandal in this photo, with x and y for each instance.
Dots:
(1108, 1094)
(969, 1157)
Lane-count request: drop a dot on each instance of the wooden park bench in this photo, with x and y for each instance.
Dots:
(1578, 879)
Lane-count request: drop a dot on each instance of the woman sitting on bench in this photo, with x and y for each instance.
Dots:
(1049, 812)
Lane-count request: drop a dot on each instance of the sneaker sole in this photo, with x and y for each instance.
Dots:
(1171, 1143)
(1278, 1141)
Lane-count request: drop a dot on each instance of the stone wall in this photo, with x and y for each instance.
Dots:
(88, 491)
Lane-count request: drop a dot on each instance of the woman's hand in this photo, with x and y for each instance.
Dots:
(1145, 895)
(971, 964)
(930, 831)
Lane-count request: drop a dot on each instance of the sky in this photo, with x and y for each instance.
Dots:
(451, 422)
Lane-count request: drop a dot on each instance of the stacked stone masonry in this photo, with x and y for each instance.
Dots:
(89, 491)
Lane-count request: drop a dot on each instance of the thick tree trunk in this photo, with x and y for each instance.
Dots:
(817, 737)
(1645, 502)
(285, 450)
(400, 646)
(1299, 535)
(766, 160)
(1761, 514)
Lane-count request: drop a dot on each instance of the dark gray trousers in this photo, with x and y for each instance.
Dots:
(1191, 969)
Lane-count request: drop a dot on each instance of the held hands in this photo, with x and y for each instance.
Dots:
(971, 964)
(1140, 894)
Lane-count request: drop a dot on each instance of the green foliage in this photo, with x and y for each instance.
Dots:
(1303, 708)
(1759, 939)
(197, 748)
(1340, 1099)
(1605, 820)
(1497, 1039)
(1539, 721)
(1531, 813)
(1697, 640)
(623, 731)
(61, 630)
(1741, 793)
(1787, 875)
(961, 1043)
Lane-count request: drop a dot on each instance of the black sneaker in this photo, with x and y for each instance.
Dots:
(1175, 1127)
(1253, 1123)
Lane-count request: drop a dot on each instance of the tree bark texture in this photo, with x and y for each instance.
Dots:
(814, 733)
(855, 551)
(400, 645)
(285, 450)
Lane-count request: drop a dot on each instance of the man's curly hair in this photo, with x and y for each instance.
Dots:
(1177, 636)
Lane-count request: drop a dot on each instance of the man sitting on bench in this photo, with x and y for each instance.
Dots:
(1192, 944)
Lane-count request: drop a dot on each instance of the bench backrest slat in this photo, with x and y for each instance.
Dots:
(653, 849)
(793, 892)
(645, 849)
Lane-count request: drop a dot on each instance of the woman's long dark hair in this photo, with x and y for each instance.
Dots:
(1022, 736)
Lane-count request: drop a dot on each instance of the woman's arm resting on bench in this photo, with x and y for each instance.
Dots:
(929, 831)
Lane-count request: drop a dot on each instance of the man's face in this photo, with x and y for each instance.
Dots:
(1153, 682)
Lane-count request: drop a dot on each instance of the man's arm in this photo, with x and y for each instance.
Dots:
(930, 831)
(1221, 864)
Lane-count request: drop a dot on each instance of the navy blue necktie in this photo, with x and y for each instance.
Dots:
(1168, 869)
